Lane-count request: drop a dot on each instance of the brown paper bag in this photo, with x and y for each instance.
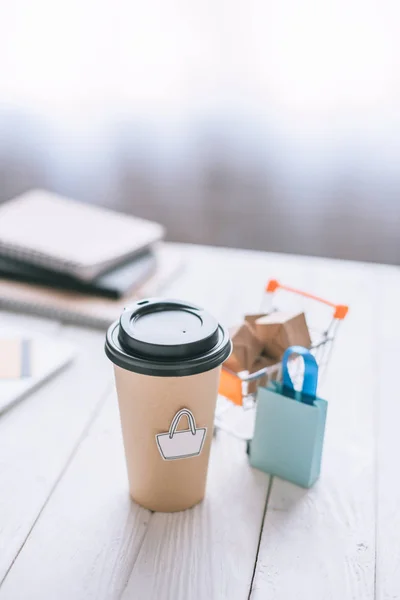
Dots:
(260, 363)
(251, 319)
(246, 348)
(279, 330)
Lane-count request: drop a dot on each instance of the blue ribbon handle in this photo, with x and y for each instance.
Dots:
(310, 381)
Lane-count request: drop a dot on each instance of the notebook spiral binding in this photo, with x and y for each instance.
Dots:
(18, 252)
(49, 312)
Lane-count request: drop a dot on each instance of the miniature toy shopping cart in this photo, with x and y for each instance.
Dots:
(241, 388)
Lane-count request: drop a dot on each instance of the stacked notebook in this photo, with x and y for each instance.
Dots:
(77, 262)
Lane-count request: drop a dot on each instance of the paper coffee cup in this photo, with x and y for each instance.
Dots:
(167, 359)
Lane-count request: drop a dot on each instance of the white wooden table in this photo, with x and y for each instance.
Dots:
(68, 530)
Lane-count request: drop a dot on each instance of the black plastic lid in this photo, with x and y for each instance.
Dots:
(167, 338)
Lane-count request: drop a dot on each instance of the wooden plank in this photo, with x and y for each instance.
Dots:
(388, 439)
(90, 536)
(38, 436)
(321, 543)
(209, 551)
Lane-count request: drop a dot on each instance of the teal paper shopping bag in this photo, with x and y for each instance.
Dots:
(290, 426)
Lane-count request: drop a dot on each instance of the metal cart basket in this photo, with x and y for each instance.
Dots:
(323, 319)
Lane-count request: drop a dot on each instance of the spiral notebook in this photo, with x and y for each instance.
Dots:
(81, 309)
(121, 280)
(66, 236)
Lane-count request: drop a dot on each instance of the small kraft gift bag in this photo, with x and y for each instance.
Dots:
(290, 425)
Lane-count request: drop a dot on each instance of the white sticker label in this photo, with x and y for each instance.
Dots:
(181, 444)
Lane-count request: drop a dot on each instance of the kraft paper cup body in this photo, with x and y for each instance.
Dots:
(147, 407)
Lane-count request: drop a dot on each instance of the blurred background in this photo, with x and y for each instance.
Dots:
(256, 124)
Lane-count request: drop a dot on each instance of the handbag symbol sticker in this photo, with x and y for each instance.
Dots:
(181, 444)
